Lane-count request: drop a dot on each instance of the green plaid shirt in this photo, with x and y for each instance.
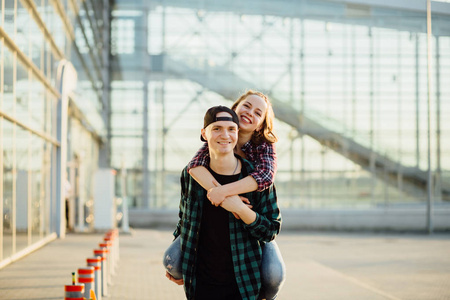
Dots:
(245, 239)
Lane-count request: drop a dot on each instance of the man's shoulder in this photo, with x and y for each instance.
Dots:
(185, 172)
(186, 178)
(188, 183)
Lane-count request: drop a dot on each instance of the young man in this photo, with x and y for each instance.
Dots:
(221, 246)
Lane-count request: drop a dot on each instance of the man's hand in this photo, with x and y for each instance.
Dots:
(177, 281)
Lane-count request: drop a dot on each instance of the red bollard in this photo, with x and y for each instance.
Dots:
(114, 235)
(96, 262)
(86, 275)
(110, 238)
(74, 292)
(107, 246)
(103, 254)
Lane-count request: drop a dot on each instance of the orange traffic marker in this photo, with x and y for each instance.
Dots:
(93, 295)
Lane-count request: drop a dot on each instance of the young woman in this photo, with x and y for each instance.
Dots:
(256, 144)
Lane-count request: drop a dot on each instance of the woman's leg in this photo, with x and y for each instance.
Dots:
(172, 259)
(273, 271)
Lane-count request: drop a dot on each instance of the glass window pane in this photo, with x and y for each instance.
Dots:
(36, 46)
(22, 187)
(37, 187)
(23, 21)
(46, 197)
(22, 94)
(8, 99)
(37, 104)
(8, 163)
(8, 26)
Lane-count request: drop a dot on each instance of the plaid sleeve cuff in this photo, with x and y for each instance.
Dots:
(265, 167)
(260, 229)
(263, 178)
(255, 223)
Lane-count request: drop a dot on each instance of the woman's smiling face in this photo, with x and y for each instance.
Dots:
(251, 112)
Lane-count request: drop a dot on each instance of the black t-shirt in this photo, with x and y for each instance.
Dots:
(215, 266)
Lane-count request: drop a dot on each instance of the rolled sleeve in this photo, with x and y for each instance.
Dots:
(267, 224)
(201, 158)
(265, 160)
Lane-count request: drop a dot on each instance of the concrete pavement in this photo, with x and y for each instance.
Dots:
(359, 266)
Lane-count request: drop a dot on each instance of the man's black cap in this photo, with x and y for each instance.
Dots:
(210, 116)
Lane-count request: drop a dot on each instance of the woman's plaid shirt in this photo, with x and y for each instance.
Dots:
(245, 239)
(263, 156)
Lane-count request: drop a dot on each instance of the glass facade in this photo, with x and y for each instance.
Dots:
(354, 74)
(35, 36)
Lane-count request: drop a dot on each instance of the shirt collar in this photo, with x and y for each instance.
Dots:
(246, 146)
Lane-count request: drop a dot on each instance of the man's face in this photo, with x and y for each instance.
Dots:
(221, 135)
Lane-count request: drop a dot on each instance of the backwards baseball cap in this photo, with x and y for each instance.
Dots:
(210, 116)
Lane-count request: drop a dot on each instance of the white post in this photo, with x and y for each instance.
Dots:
(104, 203)
(123, 177)
(81, 192)
(430, 177)
(67, 80)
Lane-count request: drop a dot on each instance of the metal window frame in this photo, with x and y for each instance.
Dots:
(95, 31)
(8, 42)
(31, 6)
(1, 133)
(71, 34)
(76, 9)
(19, 57)
(40, 134)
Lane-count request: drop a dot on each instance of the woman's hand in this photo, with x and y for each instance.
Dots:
(216, 194)
(246, 202)
(177, 281)
(240, 209)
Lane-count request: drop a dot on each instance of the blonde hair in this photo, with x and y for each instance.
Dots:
(266, 134)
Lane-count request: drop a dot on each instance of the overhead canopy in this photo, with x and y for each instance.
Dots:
(408, 15)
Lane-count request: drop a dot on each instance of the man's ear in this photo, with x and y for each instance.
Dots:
(204, 134)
